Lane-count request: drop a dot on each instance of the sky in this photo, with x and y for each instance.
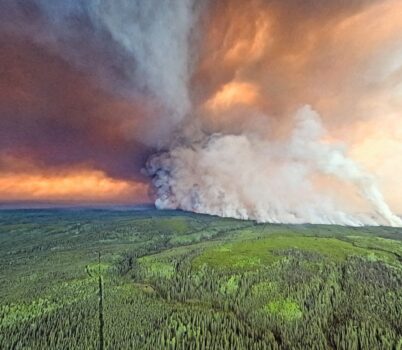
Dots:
(91, 93)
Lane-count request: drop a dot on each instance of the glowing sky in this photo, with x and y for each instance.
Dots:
(80, 113)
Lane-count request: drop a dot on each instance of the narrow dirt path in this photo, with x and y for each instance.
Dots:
(101, 321)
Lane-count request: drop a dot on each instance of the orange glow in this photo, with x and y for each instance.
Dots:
(233, 93)
(84, 185)
(249, 43)
(257, 62)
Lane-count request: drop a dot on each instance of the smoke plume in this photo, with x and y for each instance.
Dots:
(277, 111)
(249, 177)
(233, 164)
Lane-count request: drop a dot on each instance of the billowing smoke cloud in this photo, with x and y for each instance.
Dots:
(248, 177)
(210, 95)
(244, 156)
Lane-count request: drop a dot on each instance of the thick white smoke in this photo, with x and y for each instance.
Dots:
(178, 68)
(248, 177)
(243, 175)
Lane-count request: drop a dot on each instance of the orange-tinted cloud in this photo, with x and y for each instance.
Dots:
(21, 180)
(71, 187)
(342, 58)
(73, 103)
(232, 94)
(58, 116)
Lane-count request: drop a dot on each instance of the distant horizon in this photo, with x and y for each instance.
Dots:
(138, 207)
(273, 111)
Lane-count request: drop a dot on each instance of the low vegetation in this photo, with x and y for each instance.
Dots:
(145, 279)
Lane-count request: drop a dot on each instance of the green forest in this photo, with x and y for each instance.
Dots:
(148, 279)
